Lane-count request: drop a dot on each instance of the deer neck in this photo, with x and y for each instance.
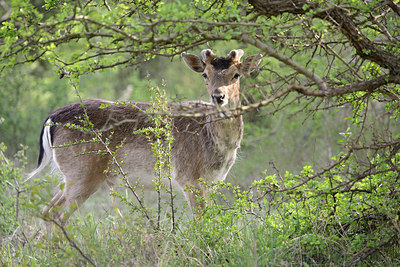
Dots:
(225, 134)
(235, 102)
(229, 132)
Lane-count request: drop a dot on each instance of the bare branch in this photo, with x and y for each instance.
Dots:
(233, 112)
(366, 86)
(73, 244)
(339, 17)
(284, 59)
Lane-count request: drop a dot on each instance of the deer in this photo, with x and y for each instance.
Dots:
(204, 148)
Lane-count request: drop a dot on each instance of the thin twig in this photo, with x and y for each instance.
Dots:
(73, 244)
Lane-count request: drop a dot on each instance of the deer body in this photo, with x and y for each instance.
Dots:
(202, 148)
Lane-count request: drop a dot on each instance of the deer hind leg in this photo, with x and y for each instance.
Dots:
(66, 201)
(83, 175)
(75, 195)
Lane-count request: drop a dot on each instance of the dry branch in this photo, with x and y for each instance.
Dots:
(73, 244)
(340, 18)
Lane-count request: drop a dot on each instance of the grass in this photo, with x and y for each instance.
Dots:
(112, 235)
(220, 238)
(241, 229)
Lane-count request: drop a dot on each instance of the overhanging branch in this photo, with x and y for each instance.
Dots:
(366, 86)
(340, 18)
(284, 59)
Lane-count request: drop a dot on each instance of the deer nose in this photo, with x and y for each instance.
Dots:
(218, 98)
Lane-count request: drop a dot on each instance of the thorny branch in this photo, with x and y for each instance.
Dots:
(341, 18)
(121, 171)
(73, 244)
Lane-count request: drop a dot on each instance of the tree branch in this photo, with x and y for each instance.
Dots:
(366, 86)
(273, 53)
(340, 18)
(73, 244)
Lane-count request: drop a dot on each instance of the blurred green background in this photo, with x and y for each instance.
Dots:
(285, 140)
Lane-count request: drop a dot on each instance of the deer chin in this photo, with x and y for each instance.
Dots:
(223, 109)
(224, 103)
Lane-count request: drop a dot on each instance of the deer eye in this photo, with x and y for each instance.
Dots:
(236, 76)
(204, 75)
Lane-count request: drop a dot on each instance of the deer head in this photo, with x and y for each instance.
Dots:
(222, 74)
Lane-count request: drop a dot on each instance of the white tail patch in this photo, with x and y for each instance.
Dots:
(47, 151)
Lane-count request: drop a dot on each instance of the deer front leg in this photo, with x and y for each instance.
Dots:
(198, 196)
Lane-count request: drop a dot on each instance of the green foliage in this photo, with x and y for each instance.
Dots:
(329, 162)
(331, 219)
(334, 214)
(9, 185)
(160, 138)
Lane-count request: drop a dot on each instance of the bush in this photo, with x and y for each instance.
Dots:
(13, 191)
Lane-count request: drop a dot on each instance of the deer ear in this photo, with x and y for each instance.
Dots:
(250, 63)
(194, 62)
